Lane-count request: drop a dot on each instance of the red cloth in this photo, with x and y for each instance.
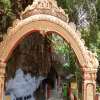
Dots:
(70, 94)
(69, 91)
(75, 98)
(48, 91)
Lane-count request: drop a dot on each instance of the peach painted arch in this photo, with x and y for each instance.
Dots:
(46, 23)
(45, 16)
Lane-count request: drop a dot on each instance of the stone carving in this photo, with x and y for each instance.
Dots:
(90, 75)
(2, 77)
(12, 29)
(2, 68)
(91, 58)
(48, 7)
(0, 87)
(90, 94)
(48, 10)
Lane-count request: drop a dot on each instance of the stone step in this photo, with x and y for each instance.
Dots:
(55, 95)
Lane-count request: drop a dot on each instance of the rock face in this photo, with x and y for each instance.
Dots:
(23, 86)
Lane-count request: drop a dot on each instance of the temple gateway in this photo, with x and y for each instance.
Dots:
(25, 53)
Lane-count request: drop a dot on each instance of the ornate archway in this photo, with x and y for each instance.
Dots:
(45, 15)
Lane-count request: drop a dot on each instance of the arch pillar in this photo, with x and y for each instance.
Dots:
(2, 78)
(89, 84)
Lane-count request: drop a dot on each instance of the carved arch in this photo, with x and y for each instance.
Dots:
(45, 15)
(47, 23)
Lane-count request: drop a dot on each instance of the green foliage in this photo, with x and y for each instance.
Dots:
(11, 9)
(7, 6)
(6, 15)
(60, 46)
(92, 35)
(98, 89)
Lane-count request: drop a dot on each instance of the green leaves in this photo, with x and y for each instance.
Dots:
(62, 48)
(7, 6)
(12, 9)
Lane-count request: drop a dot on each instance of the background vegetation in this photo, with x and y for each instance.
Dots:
(80, 12)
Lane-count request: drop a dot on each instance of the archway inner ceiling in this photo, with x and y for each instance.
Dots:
(23, 31)
(46, 16)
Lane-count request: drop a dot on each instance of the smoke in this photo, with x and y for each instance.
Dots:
(23, 86)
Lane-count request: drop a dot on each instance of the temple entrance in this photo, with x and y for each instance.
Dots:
(39, 70)
(46, 16)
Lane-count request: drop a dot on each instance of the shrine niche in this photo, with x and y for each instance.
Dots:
(46, 16)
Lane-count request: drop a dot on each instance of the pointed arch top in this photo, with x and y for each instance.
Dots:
(45, 15)
(48, 7)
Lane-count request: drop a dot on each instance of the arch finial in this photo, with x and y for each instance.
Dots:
(48, 7)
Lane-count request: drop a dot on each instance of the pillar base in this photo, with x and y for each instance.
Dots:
(89, 85)
(2, 79)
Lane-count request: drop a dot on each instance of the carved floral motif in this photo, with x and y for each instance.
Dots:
(48, 7)
(2, 77)
(48, 10)
(2, 68)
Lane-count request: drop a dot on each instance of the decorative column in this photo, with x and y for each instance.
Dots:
(89, 84)
(2, 79)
